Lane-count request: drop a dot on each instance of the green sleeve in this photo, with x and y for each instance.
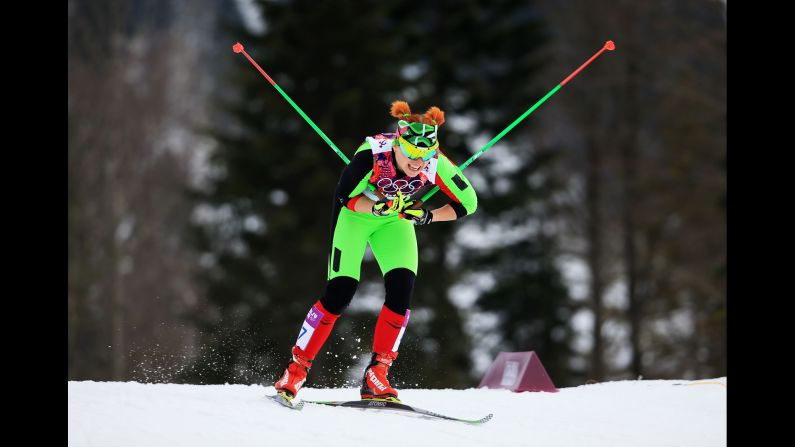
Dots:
(453, 183)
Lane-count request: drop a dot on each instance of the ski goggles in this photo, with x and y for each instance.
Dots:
(414, 152)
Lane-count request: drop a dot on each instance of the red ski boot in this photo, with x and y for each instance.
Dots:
(375, 385)
(295, 375)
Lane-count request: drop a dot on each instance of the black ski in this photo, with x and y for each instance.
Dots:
(381, 404)
(281, 400)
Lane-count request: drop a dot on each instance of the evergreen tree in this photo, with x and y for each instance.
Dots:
(528, 294)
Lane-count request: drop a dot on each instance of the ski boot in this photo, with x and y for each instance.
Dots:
(294, 376)
(375, 384)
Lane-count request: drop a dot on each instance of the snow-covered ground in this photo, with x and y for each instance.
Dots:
(612, 414)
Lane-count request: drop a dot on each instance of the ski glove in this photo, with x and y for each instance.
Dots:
(387, 207)
(419, 217)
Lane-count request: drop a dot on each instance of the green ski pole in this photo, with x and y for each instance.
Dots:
(609, 45)
(238, 48)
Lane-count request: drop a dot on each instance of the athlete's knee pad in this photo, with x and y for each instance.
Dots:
(339, 293)
(399, 284)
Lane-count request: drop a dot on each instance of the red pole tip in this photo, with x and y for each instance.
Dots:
(609, 45)
(237, 48)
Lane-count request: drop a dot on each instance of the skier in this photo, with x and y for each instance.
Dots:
(376, 202)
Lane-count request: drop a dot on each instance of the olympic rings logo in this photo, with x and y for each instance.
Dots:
(390, 187)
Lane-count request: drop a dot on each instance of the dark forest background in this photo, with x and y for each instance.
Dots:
(199, 200)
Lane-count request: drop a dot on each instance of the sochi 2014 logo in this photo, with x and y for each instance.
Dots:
(390, 187)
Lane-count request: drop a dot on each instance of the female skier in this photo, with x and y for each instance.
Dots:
(376, 202)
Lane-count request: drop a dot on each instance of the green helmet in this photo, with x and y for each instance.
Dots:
(417, 140)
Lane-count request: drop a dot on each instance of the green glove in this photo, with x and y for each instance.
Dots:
(387, 207)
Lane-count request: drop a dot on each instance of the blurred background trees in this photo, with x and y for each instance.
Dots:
(650, 160)
(199, 201)
(139, 80)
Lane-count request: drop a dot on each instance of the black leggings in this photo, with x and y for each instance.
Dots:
(399, 284)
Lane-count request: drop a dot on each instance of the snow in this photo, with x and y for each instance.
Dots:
(645, 413)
